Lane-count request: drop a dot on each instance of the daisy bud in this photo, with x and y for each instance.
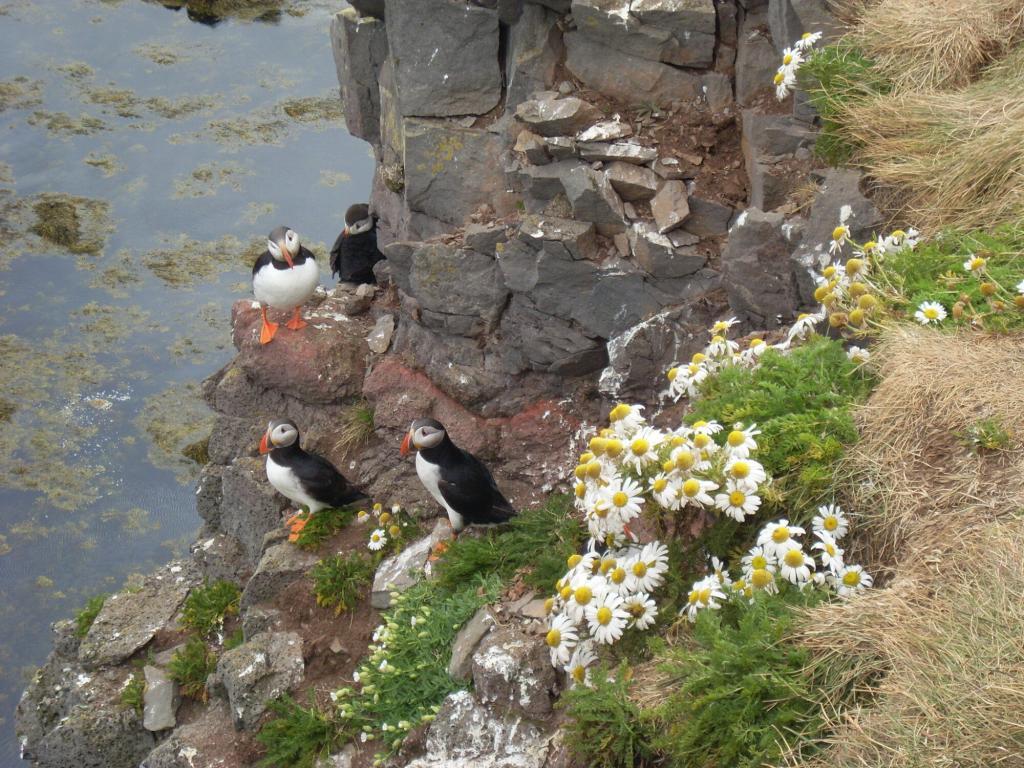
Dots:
(821, 292)
(854, 266)
(613, 448)
(998, 306)
(829, 271)
(1019, 301)
(958, 310)
(580, 472)
(586, 458)
(597, 445)
(857, 317)
(858, 289)
(580, 490)
(867, 301)
(988, 289)
(672, 373)
(828, 299)
(395, 531)
(838, 319)
(385, 517)
(594, 470)
(964, 298)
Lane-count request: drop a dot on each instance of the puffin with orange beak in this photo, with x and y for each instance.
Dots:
(284, 277)
(355, 251)
(303, 477)
(457, 479)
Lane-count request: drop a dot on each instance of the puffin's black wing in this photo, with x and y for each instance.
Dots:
(323, 482)
(264, 259)
(470, 490)
(336, 255)
(356, 256)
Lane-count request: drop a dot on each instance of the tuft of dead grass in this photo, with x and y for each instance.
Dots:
(356, 427)
(912, 473)
(957, 158)
(935, 44)
(937, 659)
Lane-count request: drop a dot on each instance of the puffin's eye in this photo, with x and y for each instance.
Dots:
(290, 236)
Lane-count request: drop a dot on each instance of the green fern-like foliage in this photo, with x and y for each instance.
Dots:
(323, 525)
(605, 729)
(207, 607)
(340, 581)
(191, 665)
(132, 695)
(296, 736)
(85, 617)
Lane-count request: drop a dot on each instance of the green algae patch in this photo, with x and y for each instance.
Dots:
(6, 173)
(62, 125)
(205, 180)
(333, 178)
(79, 225)
(106, 162)
(118, 275)
(20, 93)
(174, 420)
(313, 109)
(184, 262)
(126, 103)
(254, 212)
(199, 451)
(212, 11)
(7, 410)
(245, 130)
(76, 70)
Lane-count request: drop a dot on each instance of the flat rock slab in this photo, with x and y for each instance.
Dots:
(258, 672)
(552, 115)
(461, 665)
(399, 572)
(160, 701)
(633, 183)
(199, 744)
(128, 620)
(670, 206)
(512, 671)
(250, 506)
(281, 565)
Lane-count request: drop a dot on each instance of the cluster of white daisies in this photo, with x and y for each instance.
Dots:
(388, 524)
(778, 559)
(933, 313)
(792, 58)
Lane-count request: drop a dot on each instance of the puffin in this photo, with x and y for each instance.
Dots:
(355, 251)
(456, 479)
(284, 277)
(304, 477)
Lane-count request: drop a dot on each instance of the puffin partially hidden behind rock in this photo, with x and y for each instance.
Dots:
(355, 251)
(456, 479)
(303, 477)
(284, 277)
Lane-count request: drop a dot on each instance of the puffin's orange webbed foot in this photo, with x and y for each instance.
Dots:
(438, 549)
(296, 323)
(296, 528)
(267, 332)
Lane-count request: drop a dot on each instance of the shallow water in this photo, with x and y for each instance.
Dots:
(194, 140)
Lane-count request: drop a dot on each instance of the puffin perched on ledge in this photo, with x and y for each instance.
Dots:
(284, 277)
(302, 477)
(355, 251)
(456, 479)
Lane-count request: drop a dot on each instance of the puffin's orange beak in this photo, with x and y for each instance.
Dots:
(405, 443)
(287, 255)
(264, 448)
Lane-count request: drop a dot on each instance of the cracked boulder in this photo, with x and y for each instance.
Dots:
(512, 672)
(632, 182)
(360, 45)
(280, 566)
(593, 199)
(251, 508)
(552, 115)
(460, 291)
(258, 672)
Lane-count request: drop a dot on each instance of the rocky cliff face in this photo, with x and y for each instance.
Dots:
(569, 192)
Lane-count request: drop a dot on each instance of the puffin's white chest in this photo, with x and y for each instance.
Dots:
(430, 475)
(286, 288)
(289, 486)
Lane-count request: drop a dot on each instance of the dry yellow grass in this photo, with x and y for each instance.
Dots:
(935, 44)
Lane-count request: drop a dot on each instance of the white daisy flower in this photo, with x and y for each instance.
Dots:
(642, 450)
(721, 347)
(686, 380)
(974, 264)
(830, 553)
(362, 516)
(752, 354)
(764, 580)
(720, 572)
(804, 325)
(807, 41)
(377, 540)
(795, 565)
(851, 580)
(606, 618)
(758, 559)
(706, 593)
(792, 57)
(740, 442)
(737, 501)
(626, 498)
(930, 312)
(626, 419)
(721, 326)
(584, 591)
(704, 428)
(695, 492)
(839, 237)
(561, 638)
(745, 471)
(642, 609)
(858, 355)
(784, 81)
(578, 668)
(832, 520)
(776, 537)
(666, 490)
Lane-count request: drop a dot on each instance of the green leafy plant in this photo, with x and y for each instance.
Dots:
(132, 694)
(296, 737)
(85, 617)
(322, 526)
(191, 665)
(736, 694)
(207, 607)
(235, 639)
(605, 728)
(987, 435)
(340, 581)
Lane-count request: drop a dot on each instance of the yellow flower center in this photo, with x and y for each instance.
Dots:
(831, 549)
(549, 605)
(851, 578)
(794, 558)
(553, 638)
(691, 487)
(579, 674)
(739, 470)
(693, 368)
(594, 470)
(839, 233)
(700, 423)
(580, 490)
(639, 569)
(668, 465)
(693, 597)
(565, 593)
(660, 484)
(830, 523)
(854, 266)
(828, 271)
(701, 440)
(779, 78)
(857, 289)
(580, 472)
(898, 234)
(617, 576)
(758, 562)
(613, 448)
(672, 373)
(780, 534)
(586, 458)
(869, 246)
(977, 263)
(636, 609)
(821, 292)
(736, 438)
(787, 59)
(867, 301)
(607, 564)
(394, 530)
(640, 446)
(755, 343)
(375, 537)
(716, 339)
(736, 498)
(574, 560)
(705, 595)
(931, 313)
(685, 459)
(857, 316)
(604, 615)
(619, 412)
(583, 595)
(601, 510)
(620, 499)
(761, 578)
(677, 441)
(597, 445)
(385, 517)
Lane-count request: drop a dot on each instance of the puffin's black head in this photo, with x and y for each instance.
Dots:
(280, 433)
(358, 219)
(283, 244)
(423, 433)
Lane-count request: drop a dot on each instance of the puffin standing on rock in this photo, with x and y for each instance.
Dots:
(284, 277)
(456, 479)
(355, 251)
(303, 477)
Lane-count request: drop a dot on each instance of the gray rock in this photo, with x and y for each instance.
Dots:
(789, 19)
(675, 169)
(770, 143)
(449, 170)
(544, 182)
(759, 276)
(717, 90)
(592, 199)
(728, 22)
(467, 734)
(281, 565)
(446, 57)
(655, 253)
(341, 759)
(631, 79)
(624, 151)
(756, 59)
(65, 639)
(199, 744)
(94, 737)
(552, 115)
(459, 290)
(690, 22)
(558, 6)
(373, 8)
(219, 556)
(550, 344)
(512, 672)
(208, 493)
(251, 507)
(534, 50)
(360, 45)
(159, 700)
(533, 148)
(680, 238)
(401, 571)
(707, 218)
(561, 147)
(259, 619)
(259, 671)
(460, 667)
(484, 238)
(606, 130)
(379, 338)
(128, 620)
(575, 239)
(673, 31)
(632, 182)
(670, 206)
